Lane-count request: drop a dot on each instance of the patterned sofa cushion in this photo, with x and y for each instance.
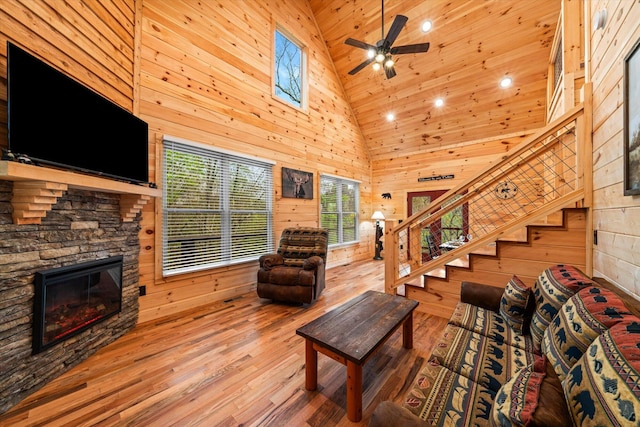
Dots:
(444, 398)
(517, 399)
(513, 304)
(580, 320)
(480, 358)
(551, 290)
(490, 324)
(603, 387)
(298, 244)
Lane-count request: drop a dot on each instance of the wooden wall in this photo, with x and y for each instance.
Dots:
(399, 175)
(201, 71)
(206, 77)
(616, 217)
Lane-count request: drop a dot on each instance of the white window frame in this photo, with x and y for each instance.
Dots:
(179, 260)
(339, 181)
(303, 70)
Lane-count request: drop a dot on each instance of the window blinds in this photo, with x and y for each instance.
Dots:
(339, 200)
(217, 208)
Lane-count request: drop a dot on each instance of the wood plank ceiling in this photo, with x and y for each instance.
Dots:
(473, 45)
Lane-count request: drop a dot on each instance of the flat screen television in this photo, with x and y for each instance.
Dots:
(54, 120)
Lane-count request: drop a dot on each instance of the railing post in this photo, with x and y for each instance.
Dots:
(415, 247)
(585, 157)
(391, 256)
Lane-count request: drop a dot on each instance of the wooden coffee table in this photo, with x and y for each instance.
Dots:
(352, 333)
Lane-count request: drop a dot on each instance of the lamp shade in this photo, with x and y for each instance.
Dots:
(377, 215)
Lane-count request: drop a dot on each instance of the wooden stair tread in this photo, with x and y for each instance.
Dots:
(490, 249)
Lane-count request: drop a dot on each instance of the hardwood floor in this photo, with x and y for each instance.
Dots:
(232, 363)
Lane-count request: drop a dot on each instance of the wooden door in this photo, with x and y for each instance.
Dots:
(448, 228)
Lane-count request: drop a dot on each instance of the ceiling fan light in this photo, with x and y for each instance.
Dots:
(371, 53)
(389, 63)
(376, 66)
(380, 57)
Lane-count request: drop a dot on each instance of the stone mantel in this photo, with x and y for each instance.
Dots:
(36, 189)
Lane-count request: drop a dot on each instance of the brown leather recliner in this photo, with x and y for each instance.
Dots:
(296, 272)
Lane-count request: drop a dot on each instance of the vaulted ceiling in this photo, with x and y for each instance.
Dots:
(473, 45)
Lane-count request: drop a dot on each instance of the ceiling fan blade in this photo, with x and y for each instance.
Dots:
(410, 48)
(395, 29)
(359, 44)
(361, 66)
(390, 72)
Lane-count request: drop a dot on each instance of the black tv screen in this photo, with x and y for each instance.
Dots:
(54, 120)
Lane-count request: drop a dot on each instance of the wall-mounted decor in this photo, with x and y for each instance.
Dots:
(435, 178)
(297, 184)
(632, 121)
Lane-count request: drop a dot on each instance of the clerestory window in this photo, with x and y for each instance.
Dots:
(289, 81)
(217, 207)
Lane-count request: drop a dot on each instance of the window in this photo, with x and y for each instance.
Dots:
(557, 65)
(217, 208)
(290, 68)
(339, 200)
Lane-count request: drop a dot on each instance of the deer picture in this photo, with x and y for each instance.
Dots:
(298, 178)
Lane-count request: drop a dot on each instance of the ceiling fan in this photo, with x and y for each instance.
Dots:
(381, 53)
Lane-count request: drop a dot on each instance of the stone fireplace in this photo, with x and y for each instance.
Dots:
(82, 228)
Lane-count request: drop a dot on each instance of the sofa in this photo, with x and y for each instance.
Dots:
(563, 352)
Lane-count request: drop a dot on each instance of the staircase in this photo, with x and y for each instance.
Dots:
(526, 210)
(526, 253)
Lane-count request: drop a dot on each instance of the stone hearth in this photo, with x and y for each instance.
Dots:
(82, 226)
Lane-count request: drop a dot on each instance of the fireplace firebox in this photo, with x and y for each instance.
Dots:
(70, 299)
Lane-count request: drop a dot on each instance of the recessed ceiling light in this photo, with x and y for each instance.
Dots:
(426, 26)
(506, 82)
(439, 102)
(390, 117)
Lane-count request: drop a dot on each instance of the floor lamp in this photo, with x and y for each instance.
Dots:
(377, 215)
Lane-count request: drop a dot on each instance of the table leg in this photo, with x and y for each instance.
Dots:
(311, 366)
(354, 392)
(407, 332)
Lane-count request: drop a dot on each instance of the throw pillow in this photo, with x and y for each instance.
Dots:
(540, 404)
(603, 387)
(513, 303)
(580, 320)
(517, 399)
(551, 290)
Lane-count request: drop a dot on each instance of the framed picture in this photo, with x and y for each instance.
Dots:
(632, 121)
(297, 184)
